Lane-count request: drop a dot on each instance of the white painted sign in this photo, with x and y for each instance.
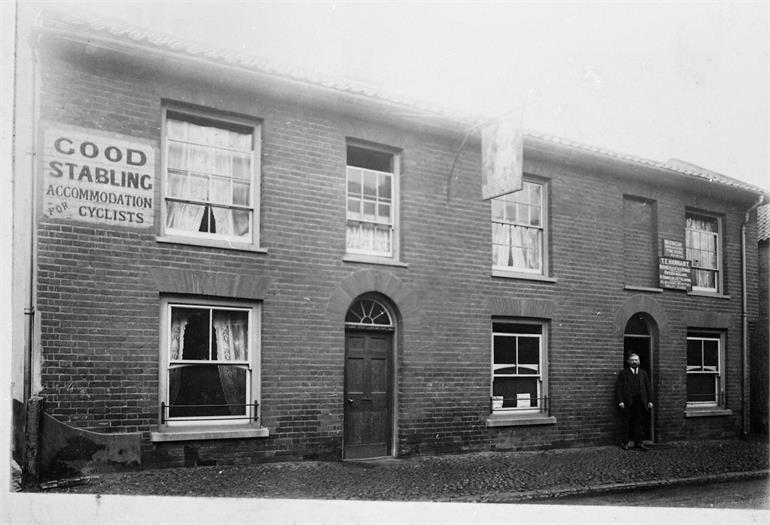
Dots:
(673, 249)
(675, 274)
(502, 157)
(98, 178)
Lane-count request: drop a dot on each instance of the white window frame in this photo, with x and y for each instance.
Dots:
(542, 381)
(253, 377)
(512, 271)
(364, 255)
(719, 383)
(717, 235)
(206, 238)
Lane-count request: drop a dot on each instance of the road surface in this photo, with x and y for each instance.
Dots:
(751, 494)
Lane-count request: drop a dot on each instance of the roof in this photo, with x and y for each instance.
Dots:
(673, 165)
(71, 23)
(74, 22)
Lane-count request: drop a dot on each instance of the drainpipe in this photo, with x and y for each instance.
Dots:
(745, 391)
(29, 310)
(33, 406)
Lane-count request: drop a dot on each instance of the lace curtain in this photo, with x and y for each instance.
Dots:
(368, 237)
(180, 317)
(231, 332)
(516, 246)
(184, 185)
(203, 165)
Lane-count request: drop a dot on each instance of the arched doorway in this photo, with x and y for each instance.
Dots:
(368, 412)
(638, 339)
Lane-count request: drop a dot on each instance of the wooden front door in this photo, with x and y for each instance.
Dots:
(368, 380)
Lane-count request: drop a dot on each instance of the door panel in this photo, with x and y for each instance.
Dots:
(367, 394)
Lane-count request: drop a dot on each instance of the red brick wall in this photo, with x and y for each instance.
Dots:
(99, 304)
(640, 262)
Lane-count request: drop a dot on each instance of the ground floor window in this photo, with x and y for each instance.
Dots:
(518, 374)
(704, 369)
(210, 356)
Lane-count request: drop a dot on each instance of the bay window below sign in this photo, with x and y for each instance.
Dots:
(209, 364)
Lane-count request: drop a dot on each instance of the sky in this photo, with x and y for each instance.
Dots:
(684, 80)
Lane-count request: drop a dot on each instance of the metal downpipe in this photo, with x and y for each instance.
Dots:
(745, 388)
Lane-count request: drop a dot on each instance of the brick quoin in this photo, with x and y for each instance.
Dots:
(99, 288)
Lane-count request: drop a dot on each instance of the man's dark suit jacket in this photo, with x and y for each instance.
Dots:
(624, 388)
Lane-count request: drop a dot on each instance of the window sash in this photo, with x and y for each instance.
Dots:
(710, 396)
(702, 242)
(210, 310)
(518, 230)
(233, 387)
(511, 375)
(224, 410)
(700, 367)
(369, 211)
(209, 179)
(517, 247)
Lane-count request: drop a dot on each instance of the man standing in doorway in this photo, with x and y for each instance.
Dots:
(633, 395)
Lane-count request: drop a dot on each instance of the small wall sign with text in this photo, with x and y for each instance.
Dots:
(675, 274)
(673, 249)
(98, 178)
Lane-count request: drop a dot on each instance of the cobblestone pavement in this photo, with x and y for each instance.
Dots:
(475, 477)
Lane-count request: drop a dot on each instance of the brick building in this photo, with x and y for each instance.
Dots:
(232, 262)
(760, 344)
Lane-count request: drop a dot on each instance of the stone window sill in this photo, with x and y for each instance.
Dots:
(643, 289)
(210, 243)
(206, 432)
(707, 412)
(713, 295)
(507, 274)
(519, 420)
(372, 259)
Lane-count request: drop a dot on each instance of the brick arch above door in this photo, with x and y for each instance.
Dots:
(368, 281)
(640, 304)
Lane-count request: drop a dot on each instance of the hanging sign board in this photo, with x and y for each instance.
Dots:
(98, 178)
(502, 153)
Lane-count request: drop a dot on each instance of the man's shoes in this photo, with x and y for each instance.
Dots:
(624, 446)
(641, 447)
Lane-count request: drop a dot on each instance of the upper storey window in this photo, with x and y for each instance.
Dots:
(702, 239)
(518, 230)
(372, 212)
(211, 183)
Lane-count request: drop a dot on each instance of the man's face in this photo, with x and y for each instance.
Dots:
(633, 361)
